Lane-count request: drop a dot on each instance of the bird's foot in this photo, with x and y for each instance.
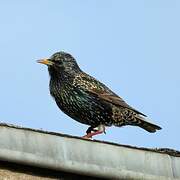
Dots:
(100, 129)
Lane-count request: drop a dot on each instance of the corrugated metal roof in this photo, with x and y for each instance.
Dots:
(93, 158)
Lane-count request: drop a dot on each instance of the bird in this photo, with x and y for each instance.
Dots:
(89, 101)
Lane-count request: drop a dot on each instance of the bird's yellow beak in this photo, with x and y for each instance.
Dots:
(45, 61)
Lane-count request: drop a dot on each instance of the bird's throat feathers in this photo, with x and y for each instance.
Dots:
(63, 74)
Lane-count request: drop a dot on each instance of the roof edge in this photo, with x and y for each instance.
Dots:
(168, 151)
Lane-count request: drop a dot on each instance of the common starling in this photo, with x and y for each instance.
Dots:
(87, 100)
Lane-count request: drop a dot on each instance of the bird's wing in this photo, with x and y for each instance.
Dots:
(112, 98)
(97, 89)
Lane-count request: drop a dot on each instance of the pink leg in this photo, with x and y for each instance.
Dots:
(101, 129)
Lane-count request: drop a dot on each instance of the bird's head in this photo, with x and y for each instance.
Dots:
(60, 62)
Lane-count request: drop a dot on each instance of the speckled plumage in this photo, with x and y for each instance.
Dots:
(87, 100)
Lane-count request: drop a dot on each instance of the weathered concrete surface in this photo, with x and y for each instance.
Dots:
(13, 175)
(13, 171)
(92, 158)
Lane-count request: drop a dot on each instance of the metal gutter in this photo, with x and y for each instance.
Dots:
(93, 158)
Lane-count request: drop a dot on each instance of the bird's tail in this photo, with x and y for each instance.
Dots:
(148, 126)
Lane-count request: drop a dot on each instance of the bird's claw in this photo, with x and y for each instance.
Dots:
(87, 136)
(93, 131)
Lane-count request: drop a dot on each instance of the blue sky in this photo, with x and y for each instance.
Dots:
(131, 46)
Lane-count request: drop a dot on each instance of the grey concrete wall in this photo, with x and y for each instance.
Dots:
(75, 155)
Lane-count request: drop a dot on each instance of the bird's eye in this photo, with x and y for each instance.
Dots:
(59, 62)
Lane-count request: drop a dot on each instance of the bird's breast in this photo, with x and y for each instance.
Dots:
(79, 105)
